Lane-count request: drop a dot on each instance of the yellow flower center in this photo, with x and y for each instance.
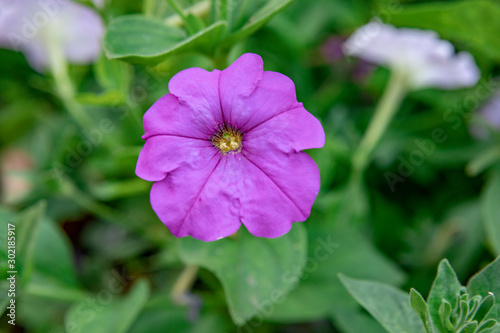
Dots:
(227, 139)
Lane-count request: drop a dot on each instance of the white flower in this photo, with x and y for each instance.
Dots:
(427, 60)
(38, 28)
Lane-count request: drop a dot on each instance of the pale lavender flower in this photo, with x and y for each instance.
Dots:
(427, 60)
(42, 29)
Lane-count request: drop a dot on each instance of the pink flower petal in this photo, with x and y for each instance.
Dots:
(250, 96)
(200, 202)
(163, 154)
(168, 116)
(198, 90)
(279, 189)
(292, 130)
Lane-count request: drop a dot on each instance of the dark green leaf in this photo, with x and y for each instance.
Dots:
(484, 308)
(110, 313)
(140, 39)
(255, 272)
(385, 303)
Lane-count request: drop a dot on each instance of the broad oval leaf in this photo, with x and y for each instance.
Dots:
(255, 272)
(140, 39)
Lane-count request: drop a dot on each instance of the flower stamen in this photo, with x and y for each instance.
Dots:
(227, 139)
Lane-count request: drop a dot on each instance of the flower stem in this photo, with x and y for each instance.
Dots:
(64, 86)
(384, 113)
(184, 283)
(66, 91)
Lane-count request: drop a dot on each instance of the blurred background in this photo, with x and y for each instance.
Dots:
(94, 257)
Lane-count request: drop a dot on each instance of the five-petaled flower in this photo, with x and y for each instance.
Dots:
(426, 60)
(225, 148)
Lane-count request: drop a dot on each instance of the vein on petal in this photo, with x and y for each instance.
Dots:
(197, 196)
(279, 187)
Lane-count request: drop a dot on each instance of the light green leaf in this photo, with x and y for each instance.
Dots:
(110, 313)
(108, 98)
(418, 304)
(457, 21)
(446, 286)
(140, 39)
(255, 272)
(255, 22)
(387, 304)
(491, 211)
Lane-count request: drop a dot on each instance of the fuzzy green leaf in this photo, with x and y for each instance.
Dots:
(445, 287)
(385, 303)
(418, 304)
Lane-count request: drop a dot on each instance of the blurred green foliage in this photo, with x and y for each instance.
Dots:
(93, 256)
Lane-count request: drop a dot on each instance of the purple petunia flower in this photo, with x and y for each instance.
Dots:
(224, 148)
(42, 29)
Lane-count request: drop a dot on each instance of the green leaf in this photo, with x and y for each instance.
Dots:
(487, 324)
(484, 308)
(53, 256)
(113, 74)
(161, 315)
(109, 313)
(353, 320)
(444, 312)
(385, 303)
(255, 272)
(26, 233)
(255, 22)
(418, 304)
(469, 328)
(445, 287)
(491, 211)
(332, 252)
(457, 21)
(486, 281)
(141, 39)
